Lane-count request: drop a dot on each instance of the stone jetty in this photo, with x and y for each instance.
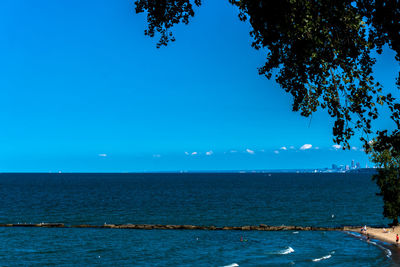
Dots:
(261, 227)
(46, 225)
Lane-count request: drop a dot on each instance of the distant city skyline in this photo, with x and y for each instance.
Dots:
(233, 160)
(83, 90)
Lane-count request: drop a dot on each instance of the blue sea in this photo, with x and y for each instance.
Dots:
(220, 199)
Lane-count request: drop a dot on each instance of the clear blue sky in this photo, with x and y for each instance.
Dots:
(82, 89)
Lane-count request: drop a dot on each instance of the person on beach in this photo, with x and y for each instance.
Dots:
(364, 229)
(397, 239)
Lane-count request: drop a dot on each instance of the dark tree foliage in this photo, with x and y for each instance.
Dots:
(321, 49)
(163, 14)
(388, 181)
(321, 53)
(387, 157)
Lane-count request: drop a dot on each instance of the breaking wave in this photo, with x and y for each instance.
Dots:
(323, 258)
(286, 251)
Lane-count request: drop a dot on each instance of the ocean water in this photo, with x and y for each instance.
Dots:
(198, 199)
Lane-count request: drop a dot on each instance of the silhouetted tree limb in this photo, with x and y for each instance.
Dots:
(321, 49)
(164, 14)
(384, 152)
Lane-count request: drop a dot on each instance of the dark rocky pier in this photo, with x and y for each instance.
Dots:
(261, 227)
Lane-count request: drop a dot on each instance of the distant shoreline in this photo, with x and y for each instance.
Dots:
(284, 171)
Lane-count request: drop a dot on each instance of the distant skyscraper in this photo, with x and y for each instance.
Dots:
(334, 167)
(347, 167)
(358, 165)
(352, 164)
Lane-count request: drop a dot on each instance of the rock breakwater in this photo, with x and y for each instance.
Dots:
(261, 227)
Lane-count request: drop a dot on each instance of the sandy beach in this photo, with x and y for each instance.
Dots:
(387, 235)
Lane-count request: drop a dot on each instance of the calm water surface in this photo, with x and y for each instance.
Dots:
(200, 199)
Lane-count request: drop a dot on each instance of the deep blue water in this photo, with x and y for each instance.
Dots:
(199, 199)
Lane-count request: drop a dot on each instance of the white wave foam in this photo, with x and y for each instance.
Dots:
(232, 265)
(323, 258)
(387, 251)
(295, 232)
(356, 235)
(286, 251)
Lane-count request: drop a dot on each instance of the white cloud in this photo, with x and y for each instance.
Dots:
(209, 153)
(354, 148)
(194, 153)
(276, 152)
(186, 153)
(250, 151)
(283, 148)
(316, 147)
(336, 147)
(103, 155)
(156, 156)
(305, 147)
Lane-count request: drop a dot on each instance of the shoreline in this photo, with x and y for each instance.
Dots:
(387, 235)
